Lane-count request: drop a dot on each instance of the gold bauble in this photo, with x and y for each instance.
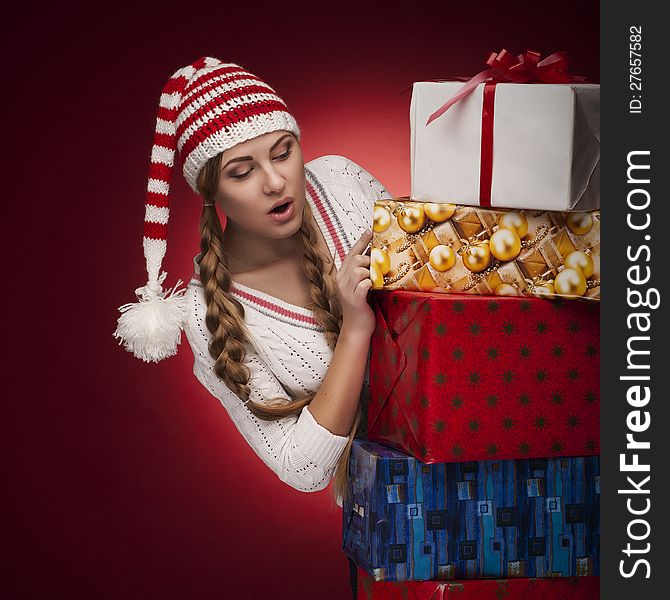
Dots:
(505, 289)
(376, 277)
(381, 219)
(442, 258)
(514, 221)
(544, 290)
(381, 260)
(439, 212)
(580, 261)
(477, 257)
(411, 218)
(570, 282)
(505, 244)
(580, 223)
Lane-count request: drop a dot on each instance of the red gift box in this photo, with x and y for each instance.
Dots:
(462, 378)
(522, 588)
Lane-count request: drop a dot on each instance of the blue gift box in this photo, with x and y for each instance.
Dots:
(406, 520)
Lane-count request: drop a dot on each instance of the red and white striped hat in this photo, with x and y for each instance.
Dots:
(205, 108)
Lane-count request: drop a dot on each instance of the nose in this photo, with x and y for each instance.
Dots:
(274, 181)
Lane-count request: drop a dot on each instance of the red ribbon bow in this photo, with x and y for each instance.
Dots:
(506, 68)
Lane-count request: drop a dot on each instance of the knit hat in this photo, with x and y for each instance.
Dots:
(205, 108)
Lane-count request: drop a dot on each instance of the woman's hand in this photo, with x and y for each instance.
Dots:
(353, 284)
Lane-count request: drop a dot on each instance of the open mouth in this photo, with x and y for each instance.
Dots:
(282, 208)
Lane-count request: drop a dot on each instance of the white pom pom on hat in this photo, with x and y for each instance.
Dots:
(151, 328)
(204, 109)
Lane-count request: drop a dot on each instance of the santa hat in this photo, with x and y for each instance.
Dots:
(205, 108)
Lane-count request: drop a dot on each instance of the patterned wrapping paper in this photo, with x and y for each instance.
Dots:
(405, 520)
(458, 377)
(465, 249)
(523, 588)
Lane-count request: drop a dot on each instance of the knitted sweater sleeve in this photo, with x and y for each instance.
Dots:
(299, 450)
(353, 188)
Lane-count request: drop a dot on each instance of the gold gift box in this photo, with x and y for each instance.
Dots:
(466, 249)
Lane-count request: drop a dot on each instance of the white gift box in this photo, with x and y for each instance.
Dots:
(545, 149)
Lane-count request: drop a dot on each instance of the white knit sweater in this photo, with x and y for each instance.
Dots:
(288, 354)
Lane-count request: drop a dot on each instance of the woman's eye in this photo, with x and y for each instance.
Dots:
(284, 155)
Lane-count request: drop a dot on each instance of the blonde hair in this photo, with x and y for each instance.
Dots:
(225, 314)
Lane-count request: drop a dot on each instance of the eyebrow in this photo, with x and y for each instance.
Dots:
(243, 158)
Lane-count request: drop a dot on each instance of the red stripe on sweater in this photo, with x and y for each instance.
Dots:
(323, 211)
(274, 307)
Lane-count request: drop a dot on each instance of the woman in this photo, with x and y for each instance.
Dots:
(277, 312)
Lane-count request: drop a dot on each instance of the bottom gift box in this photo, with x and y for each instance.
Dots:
(406, 520)
(523, 588)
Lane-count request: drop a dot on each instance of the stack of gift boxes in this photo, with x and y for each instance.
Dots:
(480, 474)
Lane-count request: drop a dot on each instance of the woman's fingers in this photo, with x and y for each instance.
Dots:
(349, 280)
(358, 248)
(356, 261)
(362, 289)
(360, 260)
(361, 273)
(353, 284)
(362, 243)
(353, 277)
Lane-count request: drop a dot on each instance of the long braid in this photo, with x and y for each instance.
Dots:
(324, 301)
(225, 314)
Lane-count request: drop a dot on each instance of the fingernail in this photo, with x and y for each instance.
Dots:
(368, 231)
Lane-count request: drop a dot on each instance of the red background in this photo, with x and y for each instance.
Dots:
(127, 480)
